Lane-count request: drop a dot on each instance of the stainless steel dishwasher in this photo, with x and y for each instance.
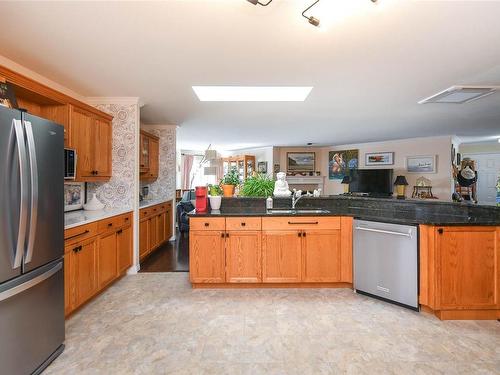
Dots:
(386, 261)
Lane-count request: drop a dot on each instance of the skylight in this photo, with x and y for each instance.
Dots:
(252, 93)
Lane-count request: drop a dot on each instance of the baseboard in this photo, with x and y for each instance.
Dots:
(269, 285)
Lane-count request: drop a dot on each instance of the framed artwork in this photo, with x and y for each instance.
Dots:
(341, 162)
(421, 164)
(276, 168)
(379, 158)
(73, 196)
(7, 96)
(262, 167)
(301, 162)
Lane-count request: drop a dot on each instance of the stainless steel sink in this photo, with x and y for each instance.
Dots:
(296, 212)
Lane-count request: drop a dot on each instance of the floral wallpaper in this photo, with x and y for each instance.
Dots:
(118, 192)
(164, 186)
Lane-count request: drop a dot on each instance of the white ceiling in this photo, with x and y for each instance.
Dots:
(369, 66)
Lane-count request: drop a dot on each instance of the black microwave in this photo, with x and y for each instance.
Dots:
(69, 164)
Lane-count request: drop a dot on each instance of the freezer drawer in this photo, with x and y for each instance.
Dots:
(386, 261)
(31, 319)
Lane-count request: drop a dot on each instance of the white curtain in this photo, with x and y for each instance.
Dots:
(187, 165)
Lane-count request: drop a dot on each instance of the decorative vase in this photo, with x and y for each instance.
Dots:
(228, 190)
(215, 202)
(93, 204)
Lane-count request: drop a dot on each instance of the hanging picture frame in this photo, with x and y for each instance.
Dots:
(421, 164)
(379, 158)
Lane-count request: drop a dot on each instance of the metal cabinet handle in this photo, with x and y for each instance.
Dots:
(77, 249)
(243, 224)
(384, 231)
(34, 190)
(303, 222)
(110, 224)
(222, 235)
(78, 235)
(299, 234)
(29, 284)
(207, 224)
(23, 209)
(120, 231)
(303, 234)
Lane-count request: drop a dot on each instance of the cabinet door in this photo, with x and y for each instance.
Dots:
(69, 278)
(206, 256)
(85, 271)
(160, 228)
(281, 257)
(82, 139)
(107, 265)
(143, 238)
(168, 224)
(154, 161)
(144, 157)
(124, 248)
(321, 256)
(243, 257)
(468, 264)
(102, 130)
(153, 232)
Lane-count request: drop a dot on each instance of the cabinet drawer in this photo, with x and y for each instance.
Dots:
(80, 233)
(243, 223)
(114, 222)
(205, 223)
(300, 222)
(150, 211)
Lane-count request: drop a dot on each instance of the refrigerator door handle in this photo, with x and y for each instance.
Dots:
(23, 209)
(29, 284)
(34, 190)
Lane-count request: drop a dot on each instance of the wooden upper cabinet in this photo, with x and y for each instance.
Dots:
(206, 256)
(243, 257)
(154, 161)
(149, 161)
(103, 132)
(92, 138)
(321, 256)
(469, 263)
(144, 154)
(281, 256)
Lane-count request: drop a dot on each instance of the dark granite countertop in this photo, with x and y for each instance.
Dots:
(367, 208)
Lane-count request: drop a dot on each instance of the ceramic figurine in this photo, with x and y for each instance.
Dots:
(281, 186)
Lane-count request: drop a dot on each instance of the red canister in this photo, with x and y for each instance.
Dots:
(201, 194)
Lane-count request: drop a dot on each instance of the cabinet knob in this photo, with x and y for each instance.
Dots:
(120, 231)
(222, 235)
(207, 224)
(303, 234)
(440, 230)
(110, 224)
(243, 224)
(299, 234)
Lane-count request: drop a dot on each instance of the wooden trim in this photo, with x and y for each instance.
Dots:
(43, 90)
(346, 249)
(148, 134)
(269, 285)
(468, 314)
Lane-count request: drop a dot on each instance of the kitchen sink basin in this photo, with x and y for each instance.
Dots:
(297, 212)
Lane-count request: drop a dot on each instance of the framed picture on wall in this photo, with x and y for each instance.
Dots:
(341, 162)
(73, 196)
(301, 162)
(421, 164)
(379, 158)
(262, 167)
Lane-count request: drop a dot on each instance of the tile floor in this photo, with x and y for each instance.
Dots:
(154, 323)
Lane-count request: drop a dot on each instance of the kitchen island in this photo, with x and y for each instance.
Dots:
(243, 245)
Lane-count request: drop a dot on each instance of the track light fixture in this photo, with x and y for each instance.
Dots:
(312, 20)
(255, 2)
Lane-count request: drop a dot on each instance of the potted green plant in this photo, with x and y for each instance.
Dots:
(229, 181)
(215, 196)
(259, 185)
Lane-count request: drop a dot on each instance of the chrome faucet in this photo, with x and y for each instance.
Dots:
(296, 196)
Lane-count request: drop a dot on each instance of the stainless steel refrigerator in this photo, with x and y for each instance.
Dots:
(31, 242)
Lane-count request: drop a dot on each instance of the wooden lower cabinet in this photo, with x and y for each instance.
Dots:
(321, 256)
(84, 261)
(243, 257)
(91, 264)
(155, 227)
(124, 245)
(460, 271)
(281, 257)
(206, 256)
(107, 263)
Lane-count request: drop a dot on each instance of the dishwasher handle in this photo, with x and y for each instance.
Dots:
(385, 231)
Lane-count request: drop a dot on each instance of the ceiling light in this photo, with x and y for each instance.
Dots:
(255, 2)
(460, 94)
(312, 20)
(252, 93)
(498, 140)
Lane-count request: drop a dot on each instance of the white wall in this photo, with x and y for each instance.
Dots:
(478, 148)
(440, 146)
